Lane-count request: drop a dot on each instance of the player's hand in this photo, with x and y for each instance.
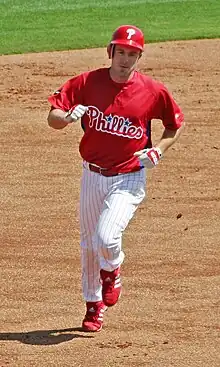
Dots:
(149, 157)
(76, 113)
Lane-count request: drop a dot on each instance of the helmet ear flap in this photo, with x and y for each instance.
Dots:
(109, 51)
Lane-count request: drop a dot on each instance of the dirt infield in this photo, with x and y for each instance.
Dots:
(169, 312)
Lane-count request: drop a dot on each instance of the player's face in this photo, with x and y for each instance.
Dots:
(124, 61)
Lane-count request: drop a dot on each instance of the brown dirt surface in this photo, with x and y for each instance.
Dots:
(169, 312)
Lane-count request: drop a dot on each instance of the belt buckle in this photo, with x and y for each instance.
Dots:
(99, 169)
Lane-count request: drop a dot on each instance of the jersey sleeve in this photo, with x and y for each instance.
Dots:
(68, 95)
(168, 110)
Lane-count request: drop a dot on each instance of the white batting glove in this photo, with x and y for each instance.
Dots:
(76, 113)
(149, 157)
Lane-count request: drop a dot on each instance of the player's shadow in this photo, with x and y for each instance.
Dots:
(45, 337)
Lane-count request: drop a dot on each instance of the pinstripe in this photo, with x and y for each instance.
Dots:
(92, 251)
(107, 204)
(110, 236)
(112, 223)
(90, 208)
(89, 214)
(85, 251)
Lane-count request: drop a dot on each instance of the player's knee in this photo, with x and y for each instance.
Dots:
(110, 253)
(108, 246)
(105, 239)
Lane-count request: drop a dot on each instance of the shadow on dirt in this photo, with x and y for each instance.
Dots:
(45, 337)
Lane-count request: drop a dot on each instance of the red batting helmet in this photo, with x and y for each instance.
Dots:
(127, 35)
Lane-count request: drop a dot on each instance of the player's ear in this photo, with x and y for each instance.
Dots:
(140, 55)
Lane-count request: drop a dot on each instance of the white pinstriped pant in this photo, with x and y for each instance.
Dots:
(107, 204)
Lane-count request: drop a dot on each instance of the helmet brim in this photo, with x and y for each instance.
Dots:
(128, 43)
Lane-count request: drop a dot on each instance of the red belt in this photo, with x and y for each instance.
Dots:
(102, 171)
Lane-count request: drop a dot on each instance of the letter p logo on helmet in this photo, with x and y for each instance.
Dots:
(130, 32)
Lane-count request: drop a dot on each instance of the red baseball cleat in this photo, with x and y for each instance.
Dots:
(111, 286)
(93, 319)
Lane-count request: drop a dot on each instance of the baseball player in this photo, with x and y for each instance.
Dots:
(115, 106)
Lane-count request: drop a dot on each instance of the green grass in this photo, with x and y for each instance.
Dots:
(46, 25)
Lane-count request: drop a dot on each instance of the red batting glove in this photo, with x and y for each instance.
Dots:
(149, 157)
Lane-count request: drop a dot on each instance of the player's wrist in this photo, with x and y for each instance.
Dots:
(159, 151)
(67, 117)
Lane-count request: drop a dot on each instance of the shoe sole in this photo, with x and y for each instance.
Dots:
(86, 330)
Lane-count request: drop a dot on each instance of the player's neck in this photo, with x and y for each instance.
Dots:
(120, 78)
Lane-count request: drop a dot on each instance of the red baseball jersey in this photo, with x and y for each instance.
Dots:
(116, 124)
